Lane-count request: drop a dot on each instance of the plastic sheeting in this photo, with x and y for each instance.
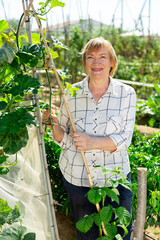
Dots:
(25, 183)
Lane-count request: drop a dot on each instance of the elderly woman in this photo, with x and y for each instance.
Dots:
(103, 111)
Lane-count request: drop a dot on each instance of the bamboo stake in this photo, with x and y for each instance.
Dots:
(54, 227)
(25, 15)
(138, 232)
(66, 105)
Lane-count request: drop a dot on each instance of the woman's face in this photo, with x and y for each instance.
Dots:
(98, 64)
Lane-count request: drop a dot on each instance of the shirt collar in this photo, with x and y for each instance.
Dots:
(113, 88)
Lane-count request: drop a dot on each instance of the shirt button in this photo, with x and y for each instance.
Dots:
(94, 131)
(94, 154)
(95, 119)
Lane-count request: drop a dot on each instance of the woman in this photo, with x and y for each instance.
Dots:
(103, 111)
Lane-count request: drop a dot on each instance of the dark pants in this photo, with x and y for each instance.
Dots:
(80, 206)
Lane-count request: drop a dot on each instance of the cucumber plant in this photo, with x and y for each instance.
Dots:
(112, 217)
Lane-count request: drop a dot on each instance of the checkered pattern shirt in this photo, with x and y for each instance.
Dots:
(112, 116)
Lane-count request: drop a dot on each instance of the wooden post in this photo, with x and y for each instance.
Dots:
(138, 231)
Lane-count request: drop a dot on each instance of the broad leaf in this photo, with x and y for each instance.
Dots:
(3, 158)
(54, 54)
(36, 38)
(8, 49)
(13, 233)
(123, 216)
(3, 25)
(112, 194)
(95, 195)
(97, 219)
(13, 142)
(24, 84)
(48, 5)
(58, 44)
(30, 236)
(106, 214)
(84, 224)
(111, 230)
(4, 211)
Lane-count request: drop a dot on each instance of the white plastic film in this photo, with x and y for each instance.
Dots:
(25, 183)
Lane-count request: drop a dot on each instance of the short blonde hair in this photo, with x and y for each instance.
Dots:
(95, 44)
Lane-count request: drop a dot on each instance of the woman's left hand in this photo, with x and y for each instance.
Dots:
(82, 141)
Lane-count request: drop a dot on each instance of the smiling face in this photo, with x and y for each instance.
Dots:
(98, 64)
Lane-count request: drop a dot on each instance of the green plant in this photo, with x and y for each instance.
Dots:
(14, 229)
(150, 108)
(144, 152)
(52, 153)
(110, 216)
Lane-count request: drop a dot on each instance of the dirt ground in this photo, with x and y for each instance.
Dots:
(67, 229)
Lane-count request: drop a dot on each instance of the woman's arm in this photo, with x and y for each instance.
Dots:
(57, 131)
(84, 142)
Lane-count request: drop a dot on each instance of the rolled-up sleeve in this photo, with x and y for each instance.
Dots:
(124, 137)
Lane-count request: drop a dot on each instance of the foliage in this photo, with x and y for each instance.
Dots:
(12, 219)
(52, 153)
(150, 108)
(144, 152)
(110, 216)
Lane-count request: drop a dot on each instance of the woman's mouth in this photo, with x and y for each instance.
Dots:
(97, 69)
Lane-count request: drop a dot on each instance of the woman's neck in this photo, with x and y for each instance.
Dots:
(98, 87)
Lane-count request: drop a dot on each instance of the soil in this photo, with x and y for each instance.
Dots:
(67, 229)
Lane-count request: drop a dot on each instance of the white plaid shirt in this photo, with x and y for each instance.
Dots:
(113, 116)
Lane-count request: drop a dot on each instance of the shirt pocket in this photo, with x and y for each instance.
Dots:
(79, 124)
(114, 125)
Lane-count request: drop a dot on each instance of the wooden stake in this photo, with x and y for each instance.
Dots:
(138, 231)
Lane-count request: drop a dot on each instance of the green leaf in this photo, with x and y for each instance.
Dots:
(3, 105)
(97, 219)
(24, 84)
(14, 215)
(111, 230)
(112, 194)
(3, 25)
(118, 237)
(48, 5)
(106, 214)
(8, 49)
(53, 53)
(30, 236)
(125, 183)
(123, 216)
(3, 158)
(13, 233)
(4, 211)
(27, 58)
(94, 195)
(13, 142)
(36, 38)
(58, 44)
(84, 224)
(4, 171)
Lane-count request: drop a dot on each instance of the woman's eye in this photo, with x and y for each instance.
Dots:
(89, 57)
(103, 56)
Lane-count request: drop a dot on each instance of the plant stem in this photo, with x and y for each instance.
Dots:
(50, 97)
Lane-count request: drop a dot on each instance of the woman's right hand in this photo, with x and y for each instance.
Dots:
(46, 118)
